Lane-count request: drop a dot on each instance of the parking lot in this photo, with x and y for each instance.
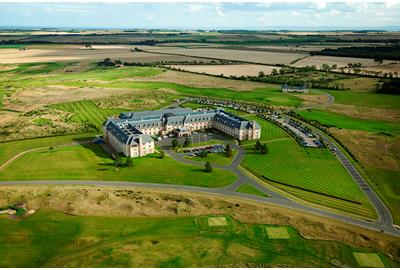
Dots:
(195, 138)
(198, 151)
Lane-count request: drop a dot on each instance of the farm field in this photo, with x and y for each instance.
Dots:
(90, 162)
(308, 172)
(319, 60)
(61, 53)
(140, 242)
(271, 58)
(228, 70)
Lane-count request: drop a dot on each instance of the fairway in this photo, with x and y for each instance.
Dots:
(86, 111)
(316, 174)
(90, 162)
(341, 121)
(53, 239)
(277, 232)
(368, 260)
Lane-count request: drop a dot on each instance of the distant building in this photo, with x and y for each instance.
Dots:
(299, 89)
(131, 132)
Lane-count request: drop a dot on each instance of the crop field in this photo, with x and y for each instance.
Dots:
(319, 60)
(228, 70)
(86, 111)
(307, 171)
(54, 53)
(271, 58)
(54, 239)
(90, 162)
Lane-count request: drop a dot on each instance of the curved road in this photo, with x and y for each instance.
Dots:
(242, 178)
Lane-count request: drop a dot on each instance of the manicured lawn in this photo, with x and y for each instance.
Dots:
(342, 121)
(215, 158)
(269, 131)
(313, 170)
(249, 189)
(85, 111)
(53, 239)
(90, 162)
(10, 149)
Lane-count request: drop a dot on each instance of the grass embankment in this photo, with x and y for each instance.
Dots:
(249, 189)
(53, 239)
(90, 162)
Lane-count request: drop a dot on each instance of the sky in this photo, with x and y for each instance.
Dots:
(204, 15)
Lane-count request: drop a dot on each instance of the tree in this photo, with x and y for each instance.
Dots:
(203, 153)
(118, 160)
(208, 167)
(228, 150)
(261, 74)
(88, 46)
(325, 67)
(187, 142)
(175, 142)
(264, 149)
(162, 154)
(51, 148)
(257, 146)
(274, 72)
(129, 162)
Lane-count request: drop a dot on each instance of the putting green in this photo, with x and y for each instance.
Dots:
(217, 221)
(368, 259)
(277, 232)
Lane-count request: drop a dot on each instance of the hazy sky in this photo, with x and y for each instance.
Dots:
(202, 15)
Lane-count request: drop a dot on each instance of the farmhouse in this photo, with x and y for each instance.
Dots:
(131, 132)
(299, 89)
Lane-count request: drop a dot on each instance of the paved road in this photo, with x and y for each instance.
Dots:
(331, 100)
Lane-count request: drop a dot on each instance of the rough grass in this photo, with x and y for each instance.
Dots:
(53, 239)
(90, 162)
(277, 232)
(314, 170)
(249, 189)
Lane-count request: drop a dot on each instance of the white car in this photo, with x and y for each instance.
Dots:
(159, 139)
(165, 136)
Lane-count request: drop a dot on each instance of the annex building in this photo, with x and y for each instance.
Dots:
(132, 132)
(298, 89)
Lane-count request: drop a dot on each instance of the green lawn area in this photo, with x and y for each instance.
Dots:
(346, 122)
(249, 189)
(86, 111)
(215, 158)
(309, 172)
(53, 239)
(90, 162)
(10, 149)
(269, 131)
(366, 99)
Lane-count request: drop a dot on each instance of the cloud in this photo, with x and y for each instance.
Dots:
(194, 8)
(219, 11)
(334, 12)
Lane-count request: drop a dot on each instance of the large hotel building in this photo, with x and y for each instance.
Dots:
(131, 133)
